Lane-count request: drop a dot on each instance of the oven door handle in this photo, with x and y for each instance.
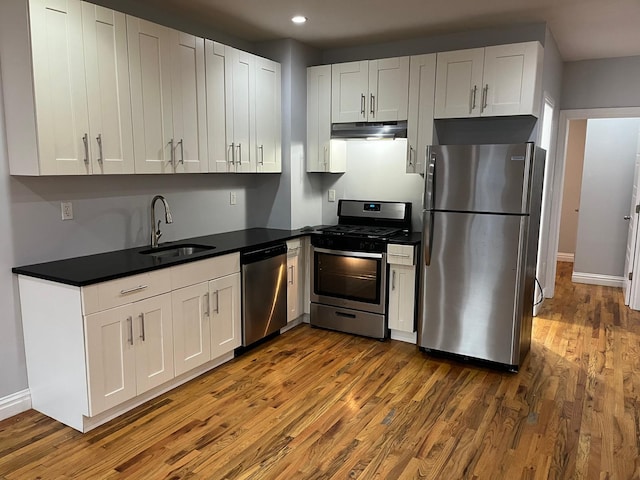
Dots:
(346, 253)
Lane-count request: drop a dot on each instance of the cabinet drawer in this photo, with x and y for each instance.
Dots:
(114, 293)
(204, 270)
(294, 247)
(400, 254)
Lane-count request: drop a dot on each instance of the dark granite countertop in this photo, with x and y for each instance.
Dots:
(89, 269)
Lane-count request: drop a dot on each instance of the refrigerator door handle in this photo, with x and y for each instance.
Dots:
(427, 228)
(429, 170)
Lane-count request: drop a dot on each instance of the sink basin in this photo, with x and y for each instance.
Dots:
(176, 251)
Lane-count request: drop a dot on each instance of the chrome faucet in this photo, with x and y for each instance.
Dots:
(155, 232)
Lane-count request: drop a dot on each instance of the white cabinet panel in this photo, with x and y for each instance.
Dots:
(402, 298)
(189, 103)
(191, 338)
(268, 106)
(388, 89)
(150, 69)
(111, 358)
(458, 83)
(349, 90)
(109, 99)
(240, 100)
(59, 87)
(421, 106)
(225, 314)
(219, 153)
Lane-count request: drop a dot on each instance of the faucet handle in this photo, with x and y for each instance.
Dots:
(158, 232)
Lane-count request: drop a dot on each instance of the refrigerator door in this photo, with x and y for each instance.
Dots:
(479, 178)
(471, 301)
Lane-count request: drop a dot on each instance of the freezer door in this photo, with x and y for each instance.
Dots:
(480, 178)
(471, 292)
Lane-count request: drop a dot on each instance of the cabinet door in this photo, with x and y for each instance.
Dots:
(240, 95)
(318, 117)
(459, 83)
(402, 297)
(268, 116)
(107, 74)
(150, 71)
(219, 159)
(295, 285)
(349, 91)
(59, 87)
(111, 359)
(188, 103)
(225, 314)
(421, 101)
(510, 79)
(388, 89)
(154, 342)
(191, 333)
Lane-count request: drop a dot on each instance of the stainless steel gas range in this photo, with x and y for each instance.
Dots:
(349, 267)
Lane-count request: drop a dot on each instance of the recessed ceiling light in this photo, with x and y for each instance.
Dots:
(299, 19)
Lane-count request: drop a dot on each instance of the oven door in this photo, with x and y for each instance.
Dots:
(355, 280)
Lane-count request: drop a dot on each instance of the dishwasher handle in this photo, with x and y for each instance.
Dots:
(263, 253)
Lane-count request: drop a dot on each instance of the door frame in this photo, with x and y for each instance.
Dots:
(558, 179)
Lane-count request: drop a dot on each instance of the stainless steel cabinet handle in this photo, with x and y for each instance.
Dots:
(485, 94)
(393, 280)
(205, 302)
(99, 140)
(130, 322)
(324, 157)
(142, 332)
(134, 289)
(363, 99)
(373, 105)
(472, 105)
(233, 154)
(239, 154)
(172, 157)
(85, 140)
(403, 255)
(181, 143)
(261, 148)
(217, 309)
(291, 279)
(410, 155)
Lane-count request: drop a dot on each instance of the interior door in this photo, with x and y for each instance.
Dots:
(632, 239)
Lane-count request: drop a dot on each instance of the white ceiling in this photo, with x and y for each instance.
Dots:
(583, 29)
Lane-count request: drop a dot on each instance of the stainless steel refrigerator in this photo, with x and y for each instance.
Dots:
(481, 222)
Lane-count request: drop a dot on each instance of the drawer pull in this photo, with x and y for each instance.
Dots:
(403, 255)
(134, 289)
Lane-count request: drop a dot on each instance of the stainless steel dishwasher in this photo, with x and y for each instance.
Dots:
(264, 292)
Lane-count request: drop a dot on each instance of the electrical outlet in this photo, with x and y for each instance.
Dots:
(67, 210)
(232, 198)
(332, 195)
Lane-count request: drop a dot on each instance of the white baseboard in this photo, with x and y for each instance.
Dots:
(404, 336)
(597, 279)
(565, 257)
(14, 404)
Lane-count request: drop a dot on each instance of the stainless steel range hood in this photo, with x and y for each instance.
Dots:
(369, 130)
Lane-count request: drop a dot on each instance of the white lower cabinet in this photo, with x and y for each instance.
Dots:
(295, 280)
(98, 351)
(402, 288)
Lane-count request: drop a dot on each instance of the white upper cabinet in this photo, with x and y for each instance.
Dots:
(421, 103)
(268, 112)
(492, 81)
(375, 90)
(150, 68)
(219, 154)
(323, 154)
(189, 103)
(109, 98)
(168, 99)
(240, 100)
(61, 112)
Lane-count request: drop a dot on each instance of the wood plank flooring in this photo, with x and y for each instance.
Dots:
(314, 404)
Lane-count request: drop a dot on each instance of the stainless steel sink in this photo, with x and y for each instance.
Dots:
(176, 251)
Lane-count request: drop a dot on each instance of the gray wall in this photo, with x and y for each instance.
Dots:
(607, 82)
(572, 184)
(607, 180)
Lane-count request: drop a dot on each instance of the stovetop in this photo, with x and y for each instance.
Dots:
(364, 231)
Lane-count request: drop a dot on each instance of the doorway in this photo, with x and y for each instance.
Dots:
(591, 229)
